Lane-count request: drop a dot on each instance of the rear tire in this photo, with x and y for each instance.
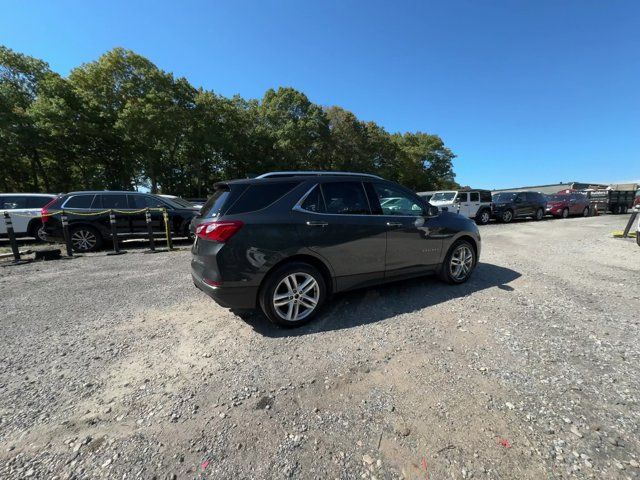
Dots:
(483, 217)
(459, 263)
(293, 294)
(36, 231)
(85, 239)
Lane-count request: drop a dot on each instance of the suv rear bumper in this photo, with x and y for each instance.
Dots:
(228, 297)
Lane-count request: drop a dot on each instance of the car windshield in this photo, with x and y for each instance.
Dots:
(443, 196)
(557, 198)
(504, 197)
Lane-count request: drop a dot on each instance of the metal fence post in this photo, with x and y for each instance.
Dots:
(12, 238)
(630, 223)
(65, 233)
(152, 242)
(114, 235)
(167, 228)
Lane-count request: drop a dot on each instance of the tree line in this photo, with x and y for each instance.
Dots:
(122, 123)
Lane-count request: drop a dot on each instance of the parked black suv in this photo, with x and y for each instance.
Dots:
(286, 242)
(510, 205)
(89, 232)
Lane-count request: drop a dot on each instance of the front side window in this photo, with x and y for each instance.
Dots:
(462, 197)
(145, 201)
(79, 201)
(504, 197)
(395, 201)
(345, 198)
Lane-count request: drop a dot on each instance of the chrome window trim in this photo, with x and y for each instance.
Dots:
(298, 208)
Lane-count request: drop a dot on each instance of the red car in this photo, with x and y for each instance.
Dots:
(561, 205)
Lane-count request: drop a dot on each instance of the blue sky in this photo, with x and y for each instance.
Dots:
(524, 92)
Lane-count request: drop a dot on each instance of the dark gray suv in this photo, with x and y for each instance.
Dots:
(286, 241)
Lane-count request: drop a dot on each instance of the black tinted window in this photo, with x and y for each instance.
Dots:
(462, 197)
(114, 201)
(259, 196)
(345, 198)
(314, 201)
(37, 202)
(145, 201)
(485, 196)
(13, 201)
(79, 201)
(474, 197)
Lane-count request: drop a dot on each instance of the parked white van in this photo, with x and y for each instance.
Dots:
(474, 204)
(25, 210)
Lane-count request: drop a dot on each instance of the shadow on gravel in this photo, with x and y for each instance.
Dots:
(370, 305)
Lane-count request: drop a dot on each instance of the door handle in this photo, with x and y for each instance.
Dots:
(394, 224)
(312, 223)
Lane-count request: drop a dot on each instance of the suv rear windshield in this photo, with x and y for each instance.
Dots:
(443, 196)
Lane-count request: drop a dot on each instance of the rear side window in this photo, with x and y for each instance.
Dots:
(38, 202)
(79, 201)
(314, 201)
(114, 201)
(13, 201)
(475, 197)
(259, 196)
(145, 201)
(345, 198)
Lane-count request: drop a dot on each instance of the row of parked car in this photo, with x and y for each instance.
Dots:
(482, 205)
(90, 227)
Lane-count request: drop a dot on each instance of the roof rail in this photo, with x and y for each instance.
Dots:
(314, 173)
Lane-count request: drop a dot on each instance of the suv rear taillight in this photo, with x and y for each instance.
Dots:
(219, 231)
(45, 213)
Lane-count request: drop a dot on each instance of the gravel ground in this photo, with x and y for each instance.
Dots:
(117, 367)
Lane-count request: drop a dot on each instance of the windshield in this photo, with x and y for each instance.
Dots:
(557, 198)
(504, 197)
(443, 196)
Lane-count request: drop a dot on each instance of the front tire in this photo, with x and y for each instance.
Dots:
(565, 213)
(293, 294)
(540, 214)
(459, 263)
(507, 216)
(85, 239)
(585, 212)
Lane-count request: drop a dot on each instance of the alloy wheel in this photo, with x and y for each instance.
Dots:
(507, 216)
(585, 212)
(83, 240)
(41, 235)
(461, 262)
(296, 296)
(565, 213)
(484, 218)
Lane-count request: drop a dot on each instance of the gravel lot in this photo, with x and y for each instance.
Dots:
(118, 367)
